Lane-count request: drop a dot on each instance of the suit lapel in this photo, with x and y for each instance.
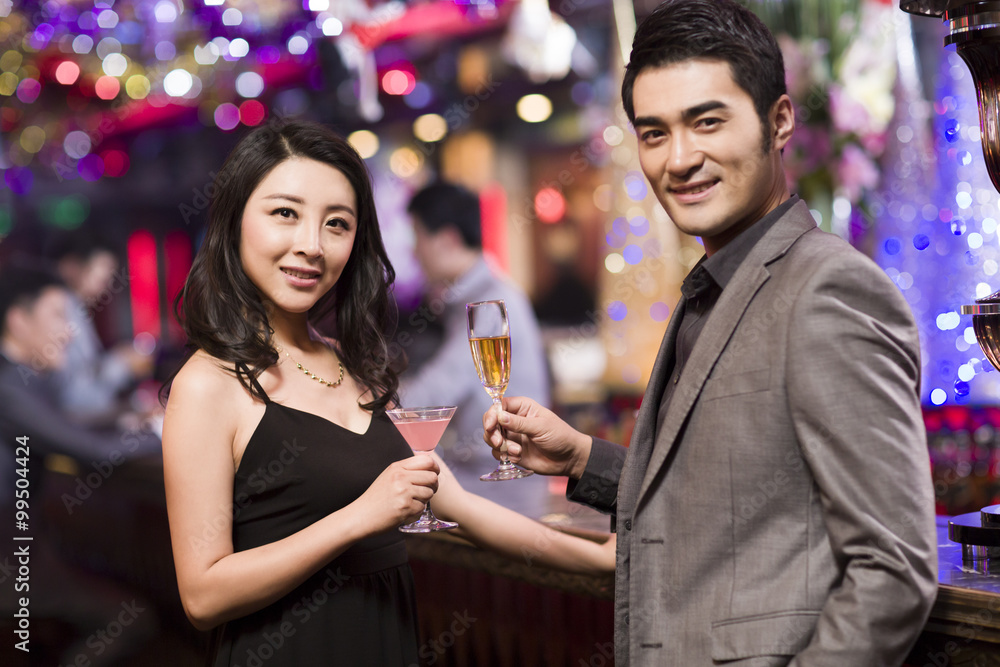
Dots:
(712, 340)
(643, 434)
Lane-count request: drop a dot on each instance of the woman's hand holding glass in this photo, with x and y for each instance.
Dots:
(399, 494)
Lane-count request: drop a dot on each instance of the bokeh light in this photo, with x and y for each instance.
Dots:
(430, 127)
(226, 116)
(550, 205)
(249, 84)
(177, 82)
(365, 142)
(398, 82)
(67, 72)
(77, 144)
(165, 11)
(252, 113)
(116, 163)
(617, 311)
(614, 263)
(114, 64)
(28, 90)
(405, 162)
(534, 108)
(32, 139)
(332, 27)
(83, 44)
(137, 87)
(107, 87)
(90, 167)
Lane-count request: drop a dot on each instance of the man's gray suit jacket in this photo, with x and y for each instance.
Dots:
(784, 513)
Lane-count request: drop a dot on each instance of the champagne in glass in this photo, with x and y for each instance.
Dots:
(422, 429)
(489, 339)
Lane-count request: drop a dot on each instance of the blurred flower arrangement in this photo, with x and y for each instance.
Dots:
(840, 58)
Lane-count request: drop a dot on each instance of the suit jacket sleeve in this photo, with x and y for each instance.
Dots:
(853, 385)
(598, 486)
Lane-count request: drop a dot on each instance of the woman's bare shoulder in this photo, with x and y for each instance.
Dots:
(204, 379)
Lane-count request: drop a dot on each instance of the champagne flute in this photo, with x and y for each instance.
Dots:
(422, 429)
(489, 338)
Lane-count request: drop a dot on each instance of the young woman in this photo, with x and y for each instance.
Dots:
(285, 479)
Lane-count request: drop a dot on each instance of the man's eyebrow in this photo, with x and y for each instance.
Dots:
(687, 115)
(691, 113)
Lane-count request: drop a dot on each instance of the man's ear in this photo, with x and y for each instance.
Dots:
(16, 321)
(782, 122)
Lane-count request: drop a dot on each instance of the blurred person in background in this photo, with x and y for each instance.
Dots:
(92, 379)
(448, 246)
(34, 325)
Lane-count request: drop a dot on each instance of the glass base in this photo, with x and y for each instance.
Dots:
(504, 472)
(427, 525)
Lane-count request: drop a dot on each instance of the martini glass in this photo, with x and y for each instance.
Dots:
(422, 429)
(489, 338)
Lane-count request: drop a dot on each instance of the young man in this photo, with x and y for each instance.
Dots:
(775, 505)
(446, 224)
(91, 378)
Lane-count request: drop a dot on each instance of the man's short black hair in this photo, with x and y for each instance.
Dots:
(723, 30)
(447, 205)
(21, 287)
(79, 244)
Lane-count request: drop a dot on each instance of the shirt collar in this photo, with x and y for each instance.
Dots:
(722, 265)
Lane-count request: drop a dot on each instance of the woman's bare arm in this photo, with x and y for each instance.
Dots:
(514, 535)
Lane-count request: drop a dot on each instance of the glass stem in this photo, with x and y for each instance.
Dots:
(504, 461)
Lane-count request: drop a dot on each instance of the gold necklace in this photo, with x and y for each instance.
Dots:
(313, 375)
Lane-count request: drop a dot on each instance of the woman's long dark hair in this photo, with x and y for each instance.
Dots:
(220, 308)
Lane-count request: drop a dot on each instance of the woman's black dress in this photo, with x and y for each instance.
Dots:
(359, 609)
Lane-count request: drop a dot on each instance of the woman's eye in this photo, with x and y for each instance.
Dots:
(337, 222)
(283, 212)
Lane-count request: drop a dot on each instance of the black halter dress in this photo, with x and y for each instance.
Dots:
(359, 609)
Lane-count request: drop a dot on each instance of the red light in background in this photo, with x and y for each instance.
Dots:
(116, 163)
(550, 205)
(67, 72)
(252, 113)
(144, 284)
(493, 209)
(107, 87)
(398, 82)
(177, 259)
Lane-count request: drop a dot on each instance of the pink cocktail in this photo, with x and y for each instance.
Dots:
(422, 429)
(422, 435)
